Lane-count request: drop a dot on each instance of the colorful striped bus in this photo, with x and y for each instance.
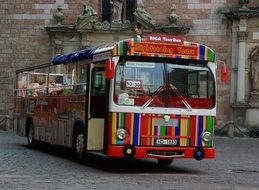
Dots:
(152, 97)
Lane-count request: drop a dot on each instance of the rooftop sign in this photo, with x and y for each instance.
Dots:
(168, 49)
(165, 38)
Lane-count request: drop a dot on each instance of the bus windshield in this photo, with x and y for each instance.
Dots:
(162, 84)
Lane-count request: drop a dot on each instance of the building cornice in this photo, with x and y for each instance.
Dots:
(240, 12)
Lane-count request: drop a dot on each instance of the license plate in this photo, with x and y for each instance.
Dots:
(166, 141)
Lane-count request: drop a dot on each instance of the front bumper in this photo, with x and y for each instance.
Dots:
(157, 152)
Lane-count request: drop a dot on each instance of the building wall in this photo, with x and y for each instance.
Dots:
(25, 42)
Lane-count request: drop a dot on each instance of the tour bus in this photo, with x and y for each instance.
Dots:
(152, 97)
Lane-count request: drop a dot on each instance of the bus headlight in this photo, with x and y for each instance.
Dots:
(121, 134)
(206, 136)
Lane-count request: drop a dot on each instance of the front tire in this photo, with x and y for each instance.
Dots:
(164, 162)
(30, 136)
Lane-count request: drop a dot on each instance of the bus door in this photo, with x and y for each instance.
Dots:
(97, 109)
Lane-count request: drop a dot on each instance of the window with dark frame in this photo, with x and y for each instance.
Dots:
(106, 10)
(127, 12)
(129, 6)
(98, 90)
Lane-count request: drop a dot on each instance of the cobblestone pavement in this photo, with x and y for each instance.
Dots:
(235, 168)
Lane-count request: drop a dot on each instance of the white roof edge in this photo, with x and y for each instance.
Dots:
(104, 49)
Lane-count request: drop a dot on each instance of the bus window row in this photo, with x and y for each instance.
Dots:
(52, 81)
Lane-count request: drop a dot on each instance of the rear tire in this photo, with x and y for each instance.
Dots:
(78, 144)
(164, 162)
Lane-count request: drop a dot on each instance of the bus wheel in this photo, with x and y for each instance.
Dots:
(78, 145)
(30, 136)
(164, 162)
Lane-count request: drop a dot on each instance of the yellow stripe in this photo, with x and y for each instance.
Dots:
(204, 123)
(206, 53)
(114, 51)
(183, 131)
(113, 128)
(132, 47)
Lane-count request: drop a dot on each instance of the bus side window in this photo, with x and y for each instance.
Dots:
(20, 86)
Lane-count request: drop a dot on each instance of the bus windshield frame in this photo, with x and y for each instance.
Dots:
(173, 83)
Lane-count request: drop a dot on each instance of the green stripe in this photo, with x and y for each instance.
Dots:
(210, 125)
(162, 130)
(121, 48)
(122, 120)
(211, 55)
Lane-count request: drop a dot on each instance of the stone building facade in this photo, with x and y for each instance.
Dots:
(33, 31)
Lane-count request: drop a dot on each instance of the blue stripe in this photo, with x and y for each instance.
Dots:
(117, 120)
(200, 129)
(177, 131)
(156, 132)
(202, 52)
(136, 128)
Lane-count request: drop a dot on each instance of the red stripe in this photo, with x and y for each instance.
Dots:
(169, 130)
(193, 130)
(128, 125)
(143, 129)
(110, 132)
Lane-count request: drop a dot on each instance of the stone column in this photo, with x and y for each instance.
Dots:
(234, 62)
(242, 37)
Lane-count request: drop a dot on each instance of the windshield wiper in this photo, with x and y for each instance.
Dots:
(154, 95)
(187, 105)
(160, 89)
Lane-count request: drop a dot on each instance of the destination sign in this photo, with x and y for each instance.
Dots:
(169, 49)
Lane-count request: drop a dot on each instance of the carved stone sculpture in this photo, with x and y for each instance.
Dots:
(116, 11)
(88, 11)
(173, 16)
(87, 18)
(143, 15)
(59, 16)
(175, 27)
(242, 2)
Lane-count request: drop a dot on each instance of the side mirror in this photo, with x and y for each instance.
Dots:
(224, 72)
(109, 69)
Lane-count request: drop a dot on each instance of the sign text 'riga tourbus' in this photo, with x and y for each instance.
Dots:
(145, 47)
(165, 38)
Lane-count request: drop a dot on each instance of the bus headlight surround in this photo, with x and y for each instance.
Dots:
(121, 134)
(206, 136)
